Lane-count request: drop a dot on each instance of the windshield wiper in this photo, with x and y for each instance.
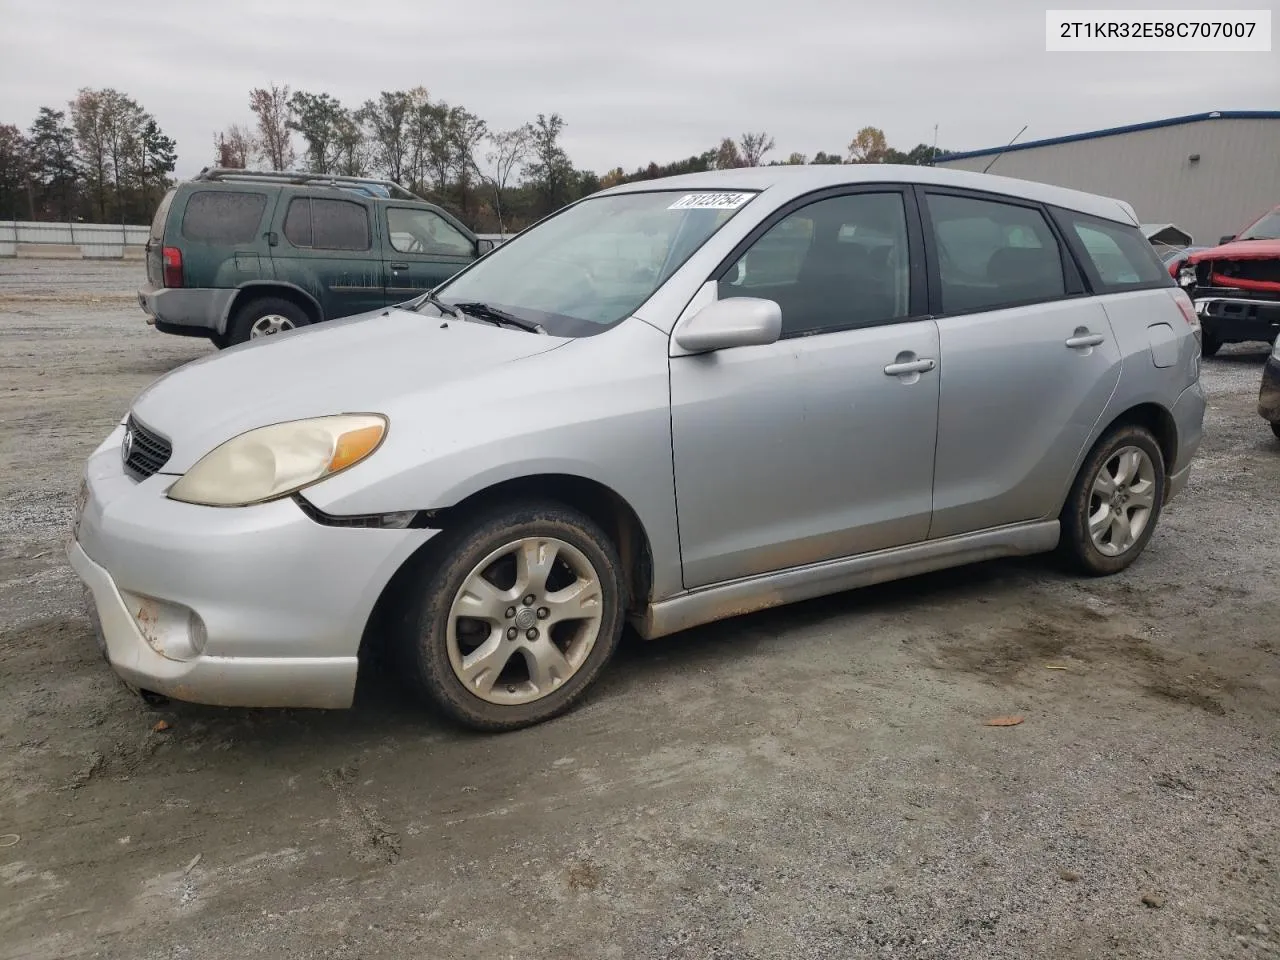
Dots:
(500, 317)
(431, 298)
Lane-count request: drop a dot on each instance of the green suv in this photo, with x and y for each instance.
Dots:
(234, 254)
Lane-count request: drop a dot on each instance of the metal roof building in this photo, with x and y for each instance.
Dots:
(1209, 173)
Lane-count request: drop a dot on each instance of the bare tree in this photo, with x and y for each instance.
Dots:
(466, 132)
(271, 107)
(510, 152)
(235, 147)
(754, 146)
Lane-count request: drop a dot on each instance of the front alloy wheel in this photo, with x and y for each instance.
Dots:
(524, 621)
(516, 611)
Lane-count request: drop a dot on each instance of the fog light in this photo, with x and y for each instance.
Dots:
(170, 629)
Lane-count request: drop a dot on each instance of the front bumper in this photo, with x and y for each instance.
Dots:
(1236, 316)
(1269, 392)
(252, 607)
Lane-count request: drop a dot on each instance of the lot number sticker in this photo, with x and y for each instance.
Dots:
(710, 201)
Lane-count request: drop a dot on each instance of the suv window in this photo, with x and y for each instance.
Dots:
(421, 231)
(992, 254)
(162, 214)
(323, 224)
(834, 264)
(1121, 258)
(222, 216)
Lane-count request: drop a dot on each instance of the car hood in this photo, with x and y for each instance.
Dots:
(360, 364)
(1240, 250)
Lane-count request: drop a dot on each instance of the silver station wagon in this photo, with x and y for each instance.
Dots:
(672, 402)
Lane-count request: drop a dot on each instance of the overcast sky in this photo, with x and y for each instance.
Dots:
(657, 80)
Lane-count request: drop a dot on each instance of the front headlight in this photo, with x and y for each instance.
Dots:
(275, 461)
(1186, 275)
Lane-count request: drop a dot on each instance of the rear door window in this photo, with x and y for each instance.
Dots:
(323, 224)
(992, 254)
(223, 216)
(1116, 257)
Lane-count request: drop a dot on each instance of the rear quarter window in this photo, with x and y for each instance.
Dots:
(1115, 257)
(162, 214)
(223, 216)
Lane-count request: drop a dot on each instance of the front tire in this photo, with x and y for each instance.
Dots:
(1114, 503)
(1275, 428)
(516, 614)
(1210, 343)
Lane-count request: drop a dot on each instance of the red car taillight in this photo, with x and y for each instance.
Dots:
(172, 257)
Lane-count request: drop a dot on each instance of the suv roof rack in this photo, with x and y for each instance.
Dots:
(389, 187)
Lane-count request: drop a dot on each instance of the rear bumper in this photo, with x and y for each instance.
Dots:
(1237, 317)
(1269, 392)
(1188, 419)
(196, 309)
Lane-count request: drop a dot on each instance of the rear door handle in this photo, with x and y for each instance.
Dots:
(399, 266)
(1085, 340)
(910, 366)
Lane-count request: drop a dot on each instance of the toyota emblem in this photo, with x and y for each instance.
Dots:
(126, 446)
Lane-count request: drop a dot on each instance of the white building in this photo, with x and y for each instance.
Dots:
(1210, 173)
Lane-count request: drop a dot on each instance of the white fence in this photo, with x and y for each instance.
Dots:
(89, 241)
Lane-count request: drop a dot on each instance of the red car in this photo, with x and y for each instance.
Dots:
(1236, 286)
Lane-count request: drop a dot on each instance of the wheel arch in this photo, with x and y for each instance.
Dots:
(1149, 414)
(598, 501)
(271, 288)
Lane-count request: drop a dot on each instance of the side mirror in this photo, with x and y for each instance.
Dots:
(483, 246)
(735, 322)
(1227, 239)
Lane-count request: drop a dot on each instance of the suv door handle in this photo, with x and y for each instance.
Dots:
(910, 366)
(399, 266)
(1085, 340)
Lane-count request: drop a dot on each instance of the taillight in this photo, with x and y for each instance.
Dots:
(172, 257)
(1183, 300)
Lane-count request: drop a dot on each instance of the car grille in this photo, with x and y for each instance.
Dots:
(144, 451)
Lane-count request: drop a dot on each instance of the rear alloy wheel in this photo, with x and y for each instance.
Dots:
(1115, 502)
(264, 317)
(517, 617)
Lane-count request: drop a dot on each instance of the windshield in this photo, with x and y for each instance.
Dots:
(591, 266)
(1268, 228)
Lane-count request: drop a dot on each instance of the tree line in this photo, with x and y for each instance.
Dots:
(106, 159)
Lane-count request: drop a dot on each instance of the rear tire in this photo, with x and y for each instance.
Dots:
(1115, 502)
(263, 317)
(1210, 344)
(513, 615)
(1275, 428)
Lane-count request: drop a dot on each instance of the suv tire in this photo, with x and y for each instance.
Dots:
(262, 316)
(1120, 485)
(1210, 343)
(513, 567)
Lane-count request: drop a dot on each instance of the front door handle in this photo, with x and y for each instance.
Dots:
(1085, 340)
(907, 367)
(399, 266)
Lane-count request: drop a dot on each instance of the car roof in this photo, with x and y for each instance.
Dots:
(785, 181)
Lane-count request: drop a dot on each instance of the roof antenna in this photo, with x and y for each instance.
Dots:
(1004, 148)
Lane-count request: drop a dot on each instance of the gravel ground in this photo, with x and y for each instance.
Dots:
(812, 782)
